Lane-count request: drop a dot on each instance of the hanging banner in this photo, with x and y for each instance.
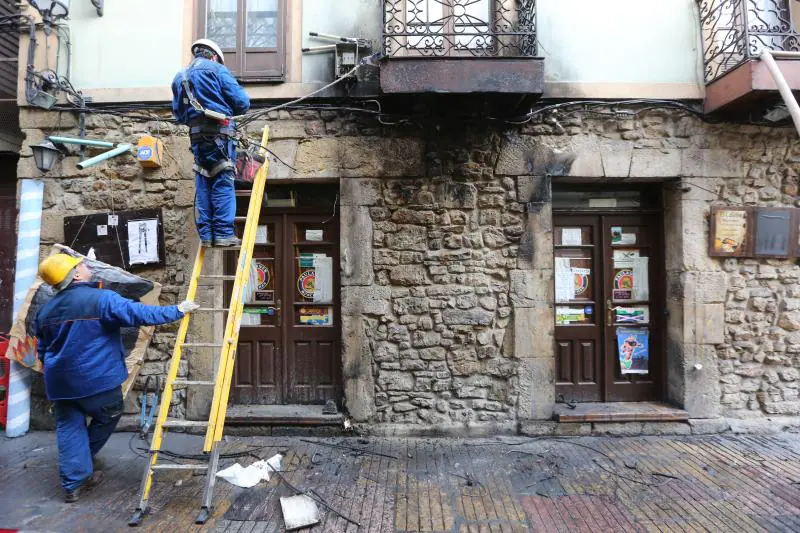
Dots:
(634, 350)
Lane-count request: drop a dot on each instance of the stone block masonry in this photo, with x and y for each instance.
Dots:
(447, 252)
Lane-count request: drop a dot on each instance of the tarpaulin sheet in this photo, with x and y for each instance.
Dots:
(22, 344)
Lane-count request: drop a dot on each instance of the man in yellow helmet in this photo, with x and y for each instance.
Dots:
(79, 342)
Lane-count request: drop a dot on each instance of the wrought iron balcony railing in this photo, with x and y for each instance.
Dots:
(459, 28)
(735, 31)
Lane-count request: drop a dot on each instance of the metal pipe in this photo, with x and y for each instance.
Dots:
(781, 54)
(783, 87)
(84, 142)
(121, 149)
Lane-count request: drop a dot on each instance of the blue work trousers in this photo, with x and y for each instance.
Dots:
(77, 443)
(215, 198)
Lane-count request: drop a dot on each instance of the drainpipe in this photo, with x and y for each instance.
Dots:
(768, 57)
(121, 149)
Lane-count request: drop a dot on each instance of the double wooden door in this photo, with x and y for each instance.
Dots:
(609, 307)
(288, 350)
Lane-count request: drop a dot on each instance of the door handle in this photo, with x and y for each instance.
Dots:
(609, 313)
(278, 311)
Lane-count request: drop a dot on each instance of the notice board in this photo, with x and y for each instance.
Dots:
(126, 239)
(754, 232)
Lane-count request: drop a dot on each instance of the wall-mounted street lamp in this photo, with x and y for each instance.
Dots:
(46, 155)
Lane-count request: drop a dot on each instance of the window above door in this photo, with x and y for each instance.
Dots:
(250, 33)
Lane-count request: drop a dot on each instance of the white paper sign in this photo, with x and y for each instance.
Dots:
(571, 237)
(323, 280)
(143, 241)
(627, 238)
(262, 237)
(565, 280)
(641, 281)
(102, 230)
(313, 234)
(113, 220)
(581, 271)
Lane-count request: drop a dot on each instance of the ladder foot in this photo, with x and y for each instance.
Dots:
(137, 516)
(203, 515)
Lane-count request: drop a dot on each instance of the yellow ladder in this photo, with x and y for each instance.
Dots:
(224, 374)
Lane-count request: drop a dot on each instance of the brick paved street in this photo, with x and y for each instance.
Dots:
(744, 483)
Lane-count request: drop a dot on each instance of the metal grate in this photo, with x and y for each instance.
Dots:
(467, 28)
(735, 31)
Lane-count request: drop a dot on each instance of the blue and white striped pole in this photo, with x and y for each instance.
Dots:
(31, 193)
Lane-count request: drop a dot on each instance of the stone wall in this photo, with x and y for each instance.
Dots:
(447, 252)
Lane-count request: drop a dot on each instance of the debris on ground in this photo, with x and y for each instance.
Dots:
(252, 475)
(299, 511)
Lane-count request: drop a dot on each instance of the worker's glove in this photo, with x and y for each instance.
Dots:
(187, 306)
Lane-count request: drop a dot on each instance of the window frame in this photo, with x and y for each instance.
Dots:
(275, 69)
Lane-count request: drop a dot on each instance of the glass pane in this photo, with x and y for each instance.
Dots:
(635, 314)
(262, 24)
(573, 236)
(470, 23)
(630, 281)
(425, 17)
(623, 236)
(314, 277)
(571, 315)
(259, 316)
(574, 277)
(314, 316)
(260, 287)
(221, 22)
(308, 232)
(603, 199)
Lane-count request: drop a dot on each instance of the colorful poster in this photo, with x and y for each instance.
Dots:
(567, 315)
(634, 352)
(730, 230)
(316, 316)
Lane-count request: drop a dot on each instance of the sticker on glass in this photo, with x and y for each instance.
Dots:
(264, 278)
(305, 284)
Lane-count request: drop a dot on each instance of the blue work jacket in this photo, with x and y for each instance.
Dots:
(213, 86)
(79, 340)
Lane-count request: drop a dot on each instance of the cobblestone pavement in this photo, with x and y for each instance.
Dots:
(744, 483)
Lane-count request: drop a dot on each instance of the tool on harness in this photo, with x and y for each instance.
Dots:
(146, 420)
(215, 115)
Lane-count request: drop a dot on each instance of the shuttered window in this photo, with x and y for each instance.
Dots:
(9, 47)
(250, 33)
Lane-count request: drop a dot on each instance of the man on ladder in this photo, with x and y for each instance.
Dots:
(204, 97)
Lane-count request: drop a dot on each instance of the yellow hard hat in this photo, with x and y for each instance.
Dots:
(57, 267)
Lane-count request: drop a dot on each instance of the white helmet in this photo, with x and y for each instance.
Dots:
(211, 45)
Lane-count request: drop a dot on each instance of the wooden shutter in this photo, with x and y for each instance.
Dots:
(9, 49)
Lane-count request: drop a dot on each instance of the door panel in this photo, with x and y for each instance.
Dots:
(289, 340)
(578, 333)
(633, 311)
(609, 300)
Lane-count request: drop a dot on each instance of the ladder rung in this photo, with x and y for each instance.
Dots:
(211, 310)
(218, 277)
(191, 382)
(179, 467)
(201, 345)
(174, 423)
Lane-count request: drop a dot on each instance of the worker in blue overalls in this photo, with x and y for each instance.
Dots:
(79, 342)
(204, 97)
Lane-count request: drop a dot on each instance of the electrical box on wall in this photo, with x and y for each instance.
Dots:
(149, 152)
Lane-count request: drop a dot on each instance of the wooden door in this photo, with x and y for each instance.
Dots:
(609, 307)
(8, 248)
(288, 350)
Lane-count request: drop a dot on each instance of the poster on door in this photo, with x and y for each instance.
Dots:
(634, 350)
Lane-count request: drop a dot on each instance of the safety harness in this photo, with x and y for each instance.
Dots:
(214, 124)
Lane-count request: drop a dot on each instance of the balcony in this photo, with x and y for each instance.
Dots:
(460, 46)
(734, 33)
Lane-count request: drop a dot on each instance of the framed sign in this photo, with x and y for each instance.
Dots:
(731, 232)
(775, 232)
(125, 239)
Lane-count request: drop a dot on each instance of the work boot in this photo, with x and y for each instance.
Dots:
(206, 244)
(72, 496)
(227, 242)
